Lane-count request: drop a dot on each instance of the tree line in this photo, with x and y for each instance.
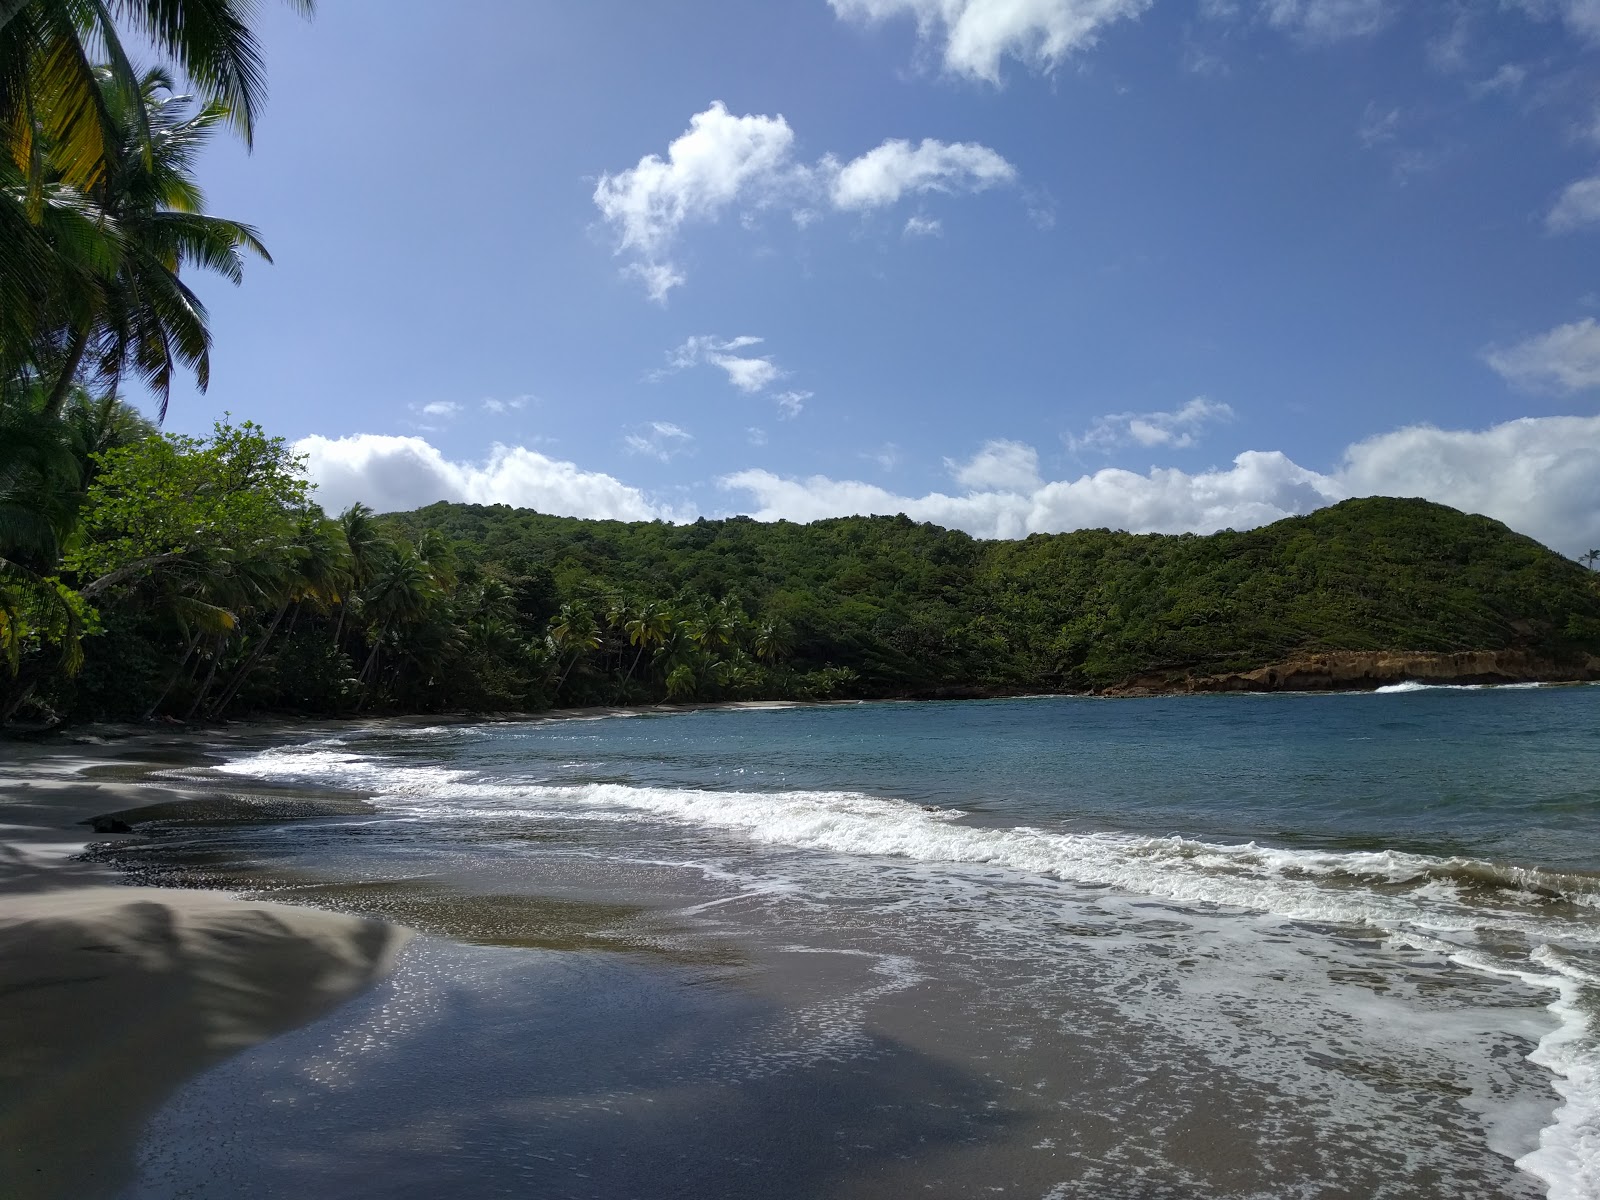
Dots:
(151, 575)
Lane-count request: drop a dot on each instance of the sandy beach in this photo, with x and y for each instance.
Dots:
(479, 966)
(111, 996)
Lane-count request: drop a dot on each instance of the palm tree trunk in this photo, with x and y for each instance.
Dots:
(216, 657)
(177, 672)
(69, 373)
(249, 664)
(568, 671)
(372, 657)
(634, 665)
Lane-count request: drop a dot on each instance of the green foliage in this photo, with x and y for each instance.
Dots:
(915, 608)
(195, 578)
(232, 494)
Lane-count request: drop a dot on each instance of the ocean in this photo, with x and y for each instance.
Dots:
(1231, 946)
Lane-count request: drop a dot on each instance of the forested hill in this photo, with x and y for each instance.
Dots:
(915, 608)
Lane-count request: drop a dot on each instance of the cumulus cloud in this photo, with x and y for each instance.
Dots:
(719, 158)
(723, 160)
(1578, 206)
(658, 439)
(750, 373)
(1012, 466)
(1540, 475)
(881, 176)
(972, 36)
(1179, 429)
(394, 473)
(1567, 358)
(1258, 489)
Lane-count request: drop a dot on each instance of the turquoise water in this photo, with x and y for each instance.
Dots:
(1373, 920)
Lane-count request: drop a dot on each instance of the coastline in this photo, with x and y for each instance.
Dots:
(1330, 671)
(116, 995)
(499, 999)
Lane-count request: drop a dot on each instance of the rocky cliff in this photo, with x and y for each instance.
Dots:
(1353, 670)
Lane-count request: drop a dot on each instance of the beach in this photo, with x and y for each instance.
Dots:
(674, 955)
(114, 995)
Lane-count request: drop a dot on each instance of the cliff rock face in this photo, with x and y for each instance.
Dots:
(1361, 670)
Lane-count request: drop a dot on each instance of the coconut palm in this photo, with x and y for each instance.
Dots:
(49, 88)
(773, 642)
(647, 629)
(400, 591)
(573, 631)
(142, 316)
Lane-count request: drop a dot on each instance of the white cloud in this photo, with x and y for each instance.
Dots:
(719, 158)
(790, 403)
(882, 176)
(972, 36)
(440, 408)
(1580, 16)
(724, 160)
(749, 373)
(490, 404)
(923, 227)
(658, 439)
(394, 473)
(756, 436)
(1259, 488)
(1567, 358)
(1540, 475)
(1327, 20)
(887, 456)
(1378, 127)
(1011, 466)
(1179, 429)
(1578, 206)
(1508, 79)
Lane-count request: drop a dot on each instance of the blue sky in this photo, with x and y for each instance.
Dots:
(1013, 264)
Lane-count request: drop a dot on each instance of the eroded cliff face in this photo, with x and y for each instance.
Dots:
(1359, 670)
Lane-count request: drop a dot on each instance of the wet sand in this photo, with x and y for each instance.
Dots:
(590, 1029)
(110, 996)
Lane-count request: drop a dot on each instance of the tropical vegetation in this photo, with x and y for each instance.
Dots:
(150, 575)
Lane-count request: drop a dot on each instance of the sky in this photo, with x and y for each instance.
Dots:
(1005, 265)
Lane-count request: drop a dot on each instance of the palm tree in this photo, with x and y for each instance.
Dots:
(400, 591)
(142, 315)
(97, 424)
(365, 547)
(313, 569)
(1589, 558)
(49, 89)
(773, 641)
(572, 630)
(649, 627)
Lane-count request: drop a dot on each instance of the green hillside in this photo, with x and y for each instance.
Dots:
(912, 607)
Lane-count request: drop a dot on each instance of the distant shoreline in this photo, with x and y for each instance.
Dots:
(1316, 671)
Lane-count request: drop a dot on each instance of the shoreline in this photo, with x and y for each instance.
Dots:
(168, 1028)
(1332, 671)
(115, 995)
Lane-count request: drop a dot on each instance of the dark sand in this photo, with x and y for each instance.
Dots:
(110, 996)
(566, 1036)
